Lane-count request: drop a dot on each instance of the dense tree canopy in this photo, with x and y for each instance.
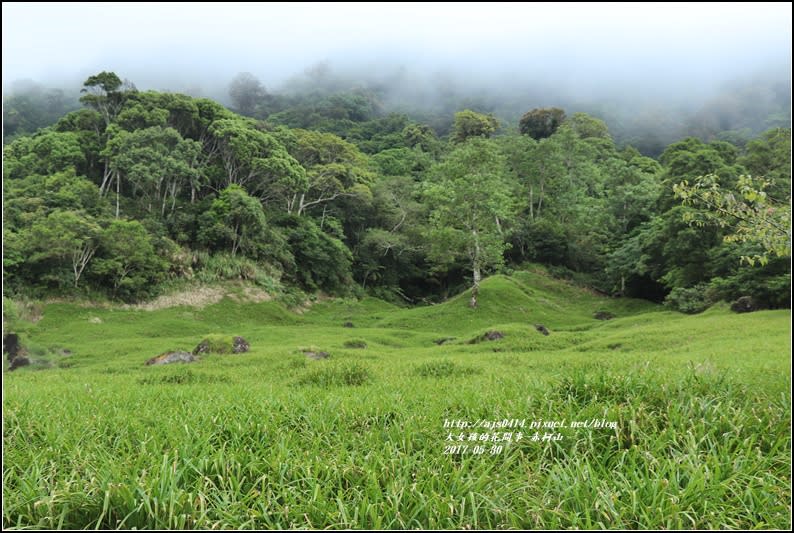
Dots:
(330, 193)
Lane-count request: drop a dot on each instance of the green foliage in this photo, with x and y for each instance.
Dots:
(689, 300)
(212, 268)
(235, 221)
(322, 262)
(379, 193)
(47, 152)
(540, 123)
(587, 127)
(469, 200)
(470, 124)
(126, 261)
(747, 210)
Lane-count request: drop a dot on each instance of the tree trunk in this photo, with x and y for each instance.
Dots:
(118, 187)
(531, 204)
(476, 274)
(475, 288)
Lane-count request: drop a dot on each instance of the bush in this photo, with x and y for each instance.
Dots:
(690, 300)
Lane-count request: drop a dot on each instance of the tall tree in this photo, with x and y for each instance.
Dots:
(471, 124)
(246, 92)
(469, 201)
(541, 122)
(105, 93)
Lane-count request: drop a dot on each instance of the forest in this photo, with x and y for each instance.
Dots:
(396, 266)
(127, 194)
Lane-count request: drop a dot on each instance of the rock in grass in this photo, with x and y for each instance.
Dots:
(172, 357)
(542, 329)
(14, 351)
(493, 335)
(487, 336)
(746, 304)
(240, 345)
(11, 346)
(603, 315)
(222, 344)
(18, 361)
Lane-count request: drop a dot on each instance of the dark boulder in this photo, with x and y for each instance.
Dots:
(202, 348)
(493, 335)
(542, 329)
(221, 344)
(487, 336)
(240, 345)
(746, 304)
(172, 357)
(18, 361)
(11, 346)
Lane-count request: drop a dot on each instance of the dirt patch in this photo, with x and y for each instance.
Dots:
(198, 297)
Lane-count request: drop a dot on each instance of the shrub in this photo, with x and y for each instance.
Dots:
(690, 300)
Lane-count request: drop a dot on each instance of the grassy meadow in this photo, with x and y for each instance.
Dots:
(701, 409)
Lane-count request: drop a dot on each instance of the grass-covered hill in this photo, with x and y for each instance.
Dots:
(697, 413)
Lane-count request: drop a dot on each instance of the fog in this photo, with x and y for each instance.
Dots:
(521, 55)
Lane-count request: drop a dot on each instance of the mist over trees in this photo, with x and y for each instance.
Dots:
(329, 189)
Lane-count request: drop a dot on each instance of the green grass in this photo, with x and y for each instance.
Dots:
(272, 439)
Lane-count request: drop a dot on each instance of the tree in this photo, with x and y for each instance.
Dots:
(541, 122)
(747, 210)
(255, 160)
(246, 92)
(469, 201)
(105, 93)
(65, 237)
(587, 127)
(235, 219)
(323, 262)
(420, 135)
(127, 261)
(470, 124)
(157, 162)
(333, 166)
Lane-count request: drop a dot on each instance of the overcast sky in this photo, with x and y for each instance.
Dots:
(158, 45)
